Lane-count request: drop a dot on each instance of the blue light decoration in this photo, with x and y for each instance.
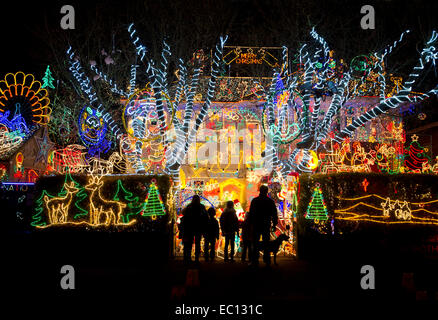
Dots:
(16, 124)
(85, 85)
(92, 130)
(204, 201)
(44, 147)
(429, 54)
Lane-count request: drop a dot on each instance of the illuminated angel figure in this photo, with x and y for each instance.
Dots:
(23, 103)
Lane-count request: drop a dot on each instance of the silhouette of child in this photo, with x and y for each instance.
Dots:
(211, 235)
(229, 226)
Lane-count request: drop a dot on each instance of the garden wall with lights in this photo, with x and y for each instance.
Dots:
(368, 213)
(107, 219)
(103, 203)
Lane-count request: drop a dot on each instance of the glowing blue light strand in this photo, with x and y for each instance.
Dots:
(334, 107)
(187, 113)
(84, 83)
(217, 57)
(133, 80)
(394, 101)
(109, 81)
(141, 50)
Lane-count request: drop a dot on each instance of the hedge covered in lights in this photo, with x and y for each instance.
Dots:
(368, 213)
(364, 199)
(103, 203)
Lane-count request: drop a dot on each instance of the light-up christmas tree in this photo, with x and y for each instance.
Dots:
(37, 218)
(48, 79)
(317, 209)
(133, 204)
(416, 155)
(153, 204)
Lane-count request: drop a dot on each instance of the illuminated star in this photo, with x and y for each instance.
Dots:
(44, 146)
(414, 138)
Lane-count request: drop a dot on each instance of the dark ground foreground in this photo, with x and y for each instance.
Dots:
(135, 275)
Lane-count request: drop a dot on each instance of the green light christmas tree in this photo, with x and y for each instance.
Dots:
(153, 204)
(37, 219)
(317, 209)
(48, 79)
(134, 206)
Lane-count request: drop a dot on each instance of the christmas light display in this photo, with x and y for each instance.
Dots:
(317, 95)
(23, 102)
(97, 166)
(109, 209)
(153, 204)
(377, 209)
(134, 206)
(57, 207)
(44, 147)
(416, 157)
(69, 159)
(317, 209)
(92, 130)
(85, 85)
(9, 140)
(48, 79)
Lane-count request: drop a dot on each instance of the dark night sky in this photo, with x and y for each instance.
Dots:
(23, 48)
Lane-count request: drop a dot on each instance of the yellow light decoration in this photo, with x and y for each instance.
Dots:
(100, 206)
(182, 179)
(314, 161)
(97, 166)
(390, 211)
(22, 85)
(236, 183)
(57, 208)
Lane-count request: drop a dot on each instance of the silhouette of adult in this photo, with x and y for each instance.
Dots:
(194, 223)
(229, 226)
(211, 235)
(263, 216)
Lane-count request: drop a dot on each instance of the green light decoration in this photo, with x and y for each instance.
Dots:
(48, 79)
(134, 206)
(37, 218)
(78, 198)
(416, 158)
(153, 204)
(317, 209)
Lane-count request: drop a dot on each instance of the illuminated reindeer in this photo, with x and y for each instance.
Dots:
(58, 207)
(99, 206)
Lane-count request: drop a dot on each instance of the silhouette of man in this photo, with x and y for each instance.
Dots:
(195, 221)
(229, 226)
(263, 216)
(211, 235)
